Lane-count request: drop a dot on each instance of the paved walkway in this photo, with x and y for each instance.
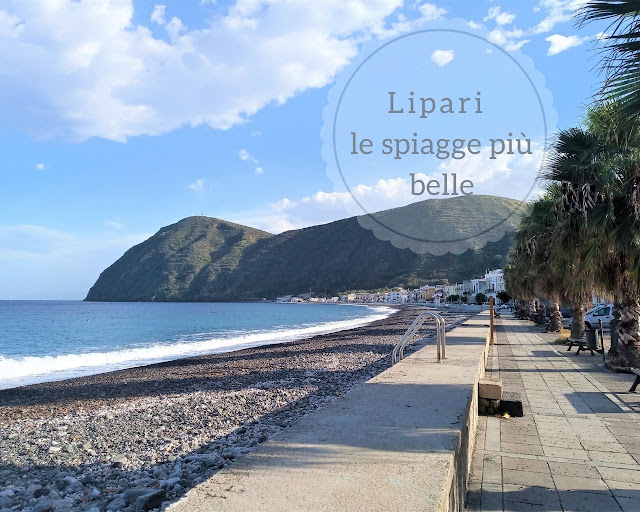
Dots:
(578, 445)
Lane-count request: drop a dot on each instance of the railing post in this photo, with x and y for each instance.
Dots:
(444, 337)
(491, 320)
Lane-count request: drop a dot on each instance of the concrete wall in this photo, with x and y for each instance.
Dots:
(401, 441)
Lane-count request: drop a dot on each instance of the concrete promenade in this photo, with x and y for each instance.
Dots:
(400, 442)
(578, 445)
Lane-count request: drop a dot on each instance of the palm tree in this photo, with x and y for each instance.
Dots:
(545, 261)
(621, 57)
(598, 170)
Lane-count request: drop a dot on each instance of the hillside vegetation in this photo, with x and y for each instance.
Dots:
(208, 259)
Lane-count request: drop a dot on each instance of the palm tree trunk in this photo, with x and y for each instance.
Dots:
(541, 312)
(628, 335)
(577, 322)
(555, 321)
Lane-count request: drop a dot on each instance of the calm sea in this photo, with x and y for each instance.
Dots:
(51, 340)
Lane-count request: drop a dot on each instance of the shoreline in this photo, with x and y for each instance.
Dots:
(104, 440)
(194, 349)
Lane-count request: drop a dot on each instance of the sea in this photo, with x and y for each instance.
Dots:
(43, 341)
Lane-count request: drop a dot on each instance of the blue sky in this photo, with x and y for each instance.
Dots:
(119, 118)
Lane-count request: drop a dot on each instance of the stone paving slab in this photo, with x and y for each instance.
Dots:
(578, 445)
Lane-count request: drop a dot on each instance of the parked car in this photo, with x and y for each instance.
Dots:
(602, 312)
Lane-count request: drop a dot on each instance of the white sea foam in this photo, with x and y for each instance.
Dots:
(31, 370)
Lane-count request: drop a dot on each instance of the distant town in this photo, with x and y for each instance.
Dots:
(474, 291)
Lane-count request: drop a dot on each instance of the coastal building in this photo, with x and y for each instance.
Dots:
(451, 289)
(495, 281)
(491, 284)
(382, 297)
(426, 292)
(287, 298)
(478, 286)
(398, 296)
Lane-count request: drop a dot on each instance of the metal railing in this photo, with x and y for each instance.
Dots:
(407, 337)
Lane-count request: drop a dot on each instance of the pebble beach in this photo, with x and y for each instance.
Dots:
(139, 439)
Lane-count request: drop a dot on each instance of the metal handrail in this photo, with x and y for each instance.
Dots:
(407, 337)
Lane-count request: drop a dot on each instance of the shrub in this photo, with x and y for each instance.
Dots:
(481, 298)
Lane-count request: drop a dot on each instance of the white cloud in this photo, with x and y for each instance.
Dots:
(427, 12)
(198, 185)
(431, 12)
(559, 43)
(502, 18)
(472, 24)
(442, 57)
(40, 167)
(516, 45)
(556, 11)
(157, 15)
(244, 155)
(38, 262)
(108, 77)
(512, 40)
(113, 224)
(507, 175)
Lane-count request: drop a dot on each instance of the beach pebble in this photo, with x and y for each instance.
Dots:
(150, 500)
(176, 425)
(116, 504)
(119, 461)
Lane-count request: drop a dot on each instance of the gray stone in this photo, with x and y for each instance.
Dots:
(119, 461)
(43, 505)
(490, 389)
(151, 500)
(131, 495)
(116, 504)
(40, 492)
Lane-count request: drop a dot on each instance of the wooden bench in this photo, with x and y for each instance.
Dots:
(582, 345)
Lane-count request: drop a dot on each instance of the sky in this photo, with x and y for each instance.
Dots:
(121, 117)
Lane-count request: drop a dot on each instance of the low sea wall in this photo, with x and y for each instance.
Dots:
(401, 441)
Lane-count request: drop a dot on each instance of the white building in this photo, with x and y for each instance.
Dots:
(495, 281)
(478, 286)
(398, 296)
(451, 289)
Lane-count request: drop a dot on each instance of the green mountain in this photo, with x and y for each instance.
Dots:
(207, 259)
